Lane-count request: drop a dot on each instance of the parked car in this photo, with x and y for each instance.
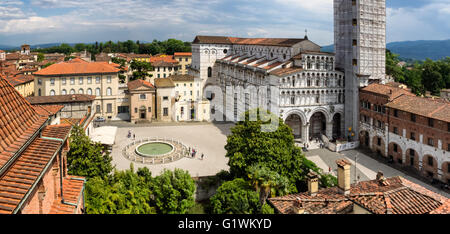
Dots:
(100, 119)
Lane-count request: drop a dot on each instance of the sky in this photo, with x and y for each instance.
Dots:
(72, 21)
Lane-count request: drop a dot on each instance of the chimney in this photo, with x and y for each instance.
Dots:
(343, 176)
(381, 179)
(313, 183)
(298, 207)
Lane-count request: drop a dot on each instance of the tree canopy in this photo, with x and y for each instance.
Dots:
(86, 158)
(173, 192)
(156, 47)
(235, 197)
(275, 151)
(421, 76)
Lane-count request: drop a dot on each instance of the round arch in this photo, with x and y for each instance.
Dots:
(324, 111)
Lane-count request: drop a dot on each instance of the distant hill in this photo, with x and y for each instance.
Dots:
(415, 50)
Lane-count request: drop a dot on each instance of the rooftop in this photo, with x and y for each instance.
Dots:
(285, 42)
(176, 78)
(60, 99)
(394, 195)
(75, 68)
(428, 107)
(132, 85)
(164, 83)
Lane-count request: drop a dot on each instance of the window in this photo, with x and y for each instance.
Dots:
(81, 80)
(292, 100)
(39, 81)
(72, 91)
(396, 130)
(355, 62)
(97, 92)
(109, 108)
(89, 80)
(165, 98)
(448, 127)
(135, 110)
(413, 136)
(395, 148)
(63, 92)
(52, 81)
(430, 122)
(413, 117)
(412, 152)
(353, 2)
(209, 72)
(143, 96)
(80, 91)
(430, 141)
(354, 22)
(166, 111)
(97, 108)
(430, 161)
(97, 80)
(108, 92)
(448, 147)
(149, 109)
(191, 93)
(159, 75)
(378, 141)
(182, 110)
(186, 59)
(225, 51)
(63, 81)
(396, 113)
(52, 92)
(355, 43)
(164, 75)
(89, 91)
(108, 79)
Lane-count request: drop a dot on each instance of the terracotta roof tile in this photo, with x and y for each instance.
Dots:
(395, 196)
(422, 106)
(19, 178)
(285, 42)
(72, 192)
(176, 78)
(48, 110)
(72, 68)
(184, 54)
(60, 99)
(164, 83)
(132, 85)
(17, 117)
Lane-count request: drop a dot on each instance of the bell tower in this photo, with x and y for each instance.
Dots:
(360, 47)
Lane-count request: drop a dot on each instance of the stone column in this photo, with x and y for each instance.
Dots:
(305, 135)
(329, 130)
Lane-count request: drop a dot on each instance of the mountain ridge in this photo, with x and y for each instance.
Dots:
(414, 50)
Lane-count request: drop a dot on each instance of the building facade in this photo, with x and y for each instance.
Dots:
(411, 131)
(289, 77)
(142, 95)
(189, 105)
(360, 46)
(79, 77)
(184, 59)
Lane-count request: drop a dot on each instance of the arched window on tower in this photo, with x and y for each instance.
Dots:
(209, 72)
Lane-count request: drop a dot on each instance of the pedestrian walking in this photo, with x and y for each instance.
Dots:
(202, 156)
(134, 136)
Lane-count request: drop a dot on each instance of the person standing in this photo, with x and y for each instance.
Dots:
(202, 156)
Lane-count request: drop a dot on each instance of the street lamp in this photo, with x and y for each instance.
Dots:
(356, 159)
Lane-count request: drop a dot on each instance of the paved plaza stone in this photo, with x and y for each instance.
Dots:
(210, 139)
(207, 139)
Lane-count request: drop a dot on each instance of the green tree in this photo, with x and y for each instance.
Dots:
(432, 79)
(140, 70)
(173, 192)
(86, 158)
(235, 197)
(392, 67)
(125, 192)
(40, 57)
(267, 183)
(248, 145)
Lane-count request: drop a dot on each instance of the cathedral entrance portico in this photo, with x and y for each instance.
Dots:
(295, 122)
(318, 125)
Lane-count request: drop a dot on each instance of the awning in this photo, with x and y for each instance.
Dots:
(105, 135)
